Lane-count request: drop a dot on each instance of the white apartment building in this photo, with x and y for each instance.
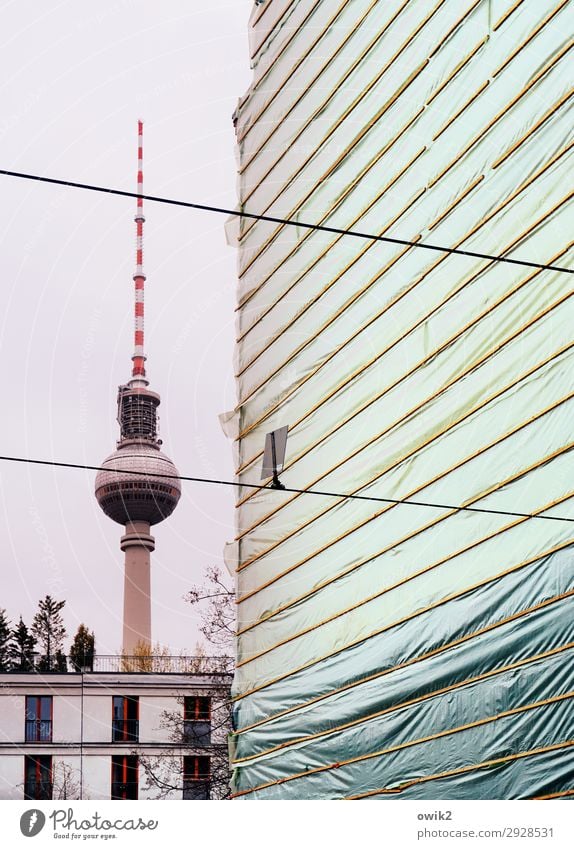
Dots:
(86, 735)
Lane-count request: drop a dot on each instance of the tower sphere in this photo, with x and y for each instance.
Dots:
(128, 497)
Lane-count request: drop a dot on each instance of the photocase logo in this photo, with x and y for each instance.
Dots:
(32, 823)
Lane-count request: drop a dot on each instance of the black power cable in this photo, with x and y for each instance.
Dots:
(273, 220)
(270, 488)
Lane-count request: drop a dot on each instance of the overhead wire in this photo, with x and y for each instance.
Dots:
(276, 220)
(286, 489)
(307, 226)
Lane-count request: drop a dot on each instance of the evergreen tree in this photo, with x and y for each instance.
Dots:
(60, 662)
(21, 649)
(5, 638)
(83, 648)
(49, 630)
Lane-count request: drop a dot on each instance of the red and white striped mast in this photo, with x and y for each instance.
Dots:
(138, 359)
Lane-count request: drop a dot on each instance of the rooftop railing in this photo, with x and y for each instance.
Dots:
(108, 663)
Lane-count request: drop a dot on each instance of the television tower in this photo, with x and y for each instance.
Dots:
(131, 490)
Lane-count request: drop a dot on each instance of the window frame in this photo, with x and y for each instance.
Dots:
(36, 722)
(195, 778)
(197, 726)
(38, 761)
(122, 761)
(121, 732)
(197, 712)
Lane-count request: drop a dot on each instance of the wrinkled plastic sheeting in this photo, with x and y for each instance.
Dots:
(391, 651)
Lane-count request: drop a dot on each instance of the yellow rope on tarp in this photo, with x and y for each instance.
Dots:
(389, 750)
(435, 605)
(554, 795)
(349, 570)
(418, 659)
(400, 705)
(484, 765)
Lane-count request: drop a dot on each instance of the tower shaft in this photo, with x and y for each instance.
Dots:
(137, 544)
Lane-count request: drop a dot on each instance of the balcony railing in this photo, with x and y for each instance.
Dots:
(156, 664)
(124, 790)
(37, 790)
(196, 789)
(197, 732)
(38, 731)
(125, 730)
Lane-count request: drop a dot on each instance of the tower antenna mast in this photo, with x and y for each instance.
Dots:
(138, 359)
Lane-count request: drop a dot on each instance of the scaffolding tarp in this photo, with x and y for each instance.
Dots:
(401, 650)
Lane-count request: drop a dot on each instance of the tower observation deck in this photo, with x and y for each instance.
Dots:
(133, 486)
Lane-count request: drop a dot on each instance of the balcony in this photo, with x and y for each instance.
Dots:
(196, 732)
(37, 790)
(196, 789)
(196, 777)
(125, 731)
(38, 731)
(124, 777)
(124, 790)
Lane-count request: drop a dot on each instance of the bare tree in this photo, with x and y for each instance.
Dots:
(200, 745)
(196, 765)
(65, 781)
(215, 601)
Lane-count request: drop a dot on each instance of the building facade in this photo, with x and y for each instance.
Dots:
(391, 650)
(116, 734)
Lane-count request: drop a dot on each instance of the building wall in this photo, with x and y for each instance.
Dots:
(97, 777)
(92, 697)
(385, 647)
(12, 777)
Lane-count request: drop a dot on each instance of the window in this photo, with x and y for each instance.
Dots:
(125, 719)
(38, 719)
(197, 720)
(124, 777)
(196, 777)
(38, 777)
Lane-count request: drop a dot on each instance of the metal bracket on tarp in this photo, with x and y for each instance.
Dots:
(274, 456)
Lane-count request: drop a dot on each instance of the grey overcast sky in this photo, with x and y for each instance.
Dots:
(75, 78)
